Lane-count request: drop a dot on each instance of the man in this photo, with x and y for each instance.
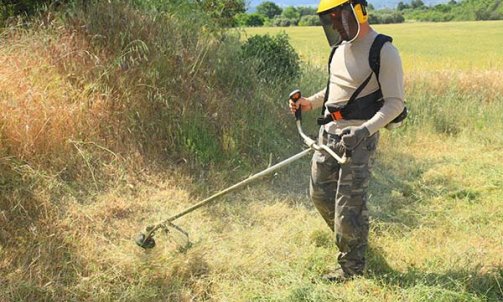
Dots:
(339, 192)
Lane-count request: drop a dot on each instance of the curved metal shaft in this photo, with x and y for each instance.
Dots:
(312, 144)
(263, 173)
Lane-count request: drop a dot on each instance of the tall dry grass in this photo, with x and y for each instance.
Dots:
(94, 99)
(112, 82)
(43, 108)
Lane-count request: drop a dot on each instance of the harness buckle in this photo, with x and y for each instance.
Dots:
(337, 115)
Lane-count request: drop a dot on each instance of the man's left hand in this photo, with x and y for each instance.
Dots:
(352, 136)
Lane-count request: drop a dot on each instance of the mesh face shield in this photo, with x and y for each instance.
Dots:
(340, 24)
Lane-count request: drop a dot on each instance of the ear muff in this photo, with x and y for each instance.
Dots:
(361, 13)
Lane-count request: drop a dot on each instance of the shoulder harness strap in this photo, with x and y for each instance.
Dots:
(374, 62)
(332, 52)
(375, 53)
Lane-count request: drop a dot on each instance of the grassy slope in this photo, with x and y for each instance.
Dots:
(436, 231)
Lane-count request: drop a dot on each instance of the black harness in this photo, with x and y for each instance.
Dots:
(362, 108)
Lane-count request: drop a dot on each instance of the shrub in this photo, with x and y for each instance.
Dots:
(283, 22)
(309, 21)
(385, 17)
(250, 20)
(275, 57)
(11, 8)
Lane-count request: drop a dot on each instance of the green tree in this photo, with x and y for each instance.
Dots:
(269, 9)
(416, 3)
(223, 11)
(291, 12)
(402, 6)
(306, 11)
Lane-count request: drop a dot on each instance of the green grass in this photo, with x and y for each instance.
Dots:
(423, 46)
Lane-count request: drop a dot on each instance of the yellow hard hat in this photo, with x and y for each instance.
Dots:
(326, 5)
(341, 19)
(359, 7)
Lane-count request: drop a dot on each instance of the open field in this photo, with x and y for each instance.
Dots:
(423, 46)
(73, 198)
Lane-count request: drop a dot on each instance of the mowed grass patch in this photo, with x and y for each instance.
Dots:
(435, 235)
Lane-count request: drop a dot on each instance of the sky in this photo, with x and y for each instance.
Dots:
(376, 3)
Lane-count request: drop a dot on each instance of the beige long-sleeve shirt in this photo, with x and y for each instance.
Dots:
(349, 68)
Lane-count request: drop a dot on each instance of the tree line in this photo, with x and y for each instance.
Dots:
(269, 13)
(465, 10)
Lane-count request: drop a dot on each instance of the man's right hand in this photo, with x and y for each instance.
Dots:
(304, 104)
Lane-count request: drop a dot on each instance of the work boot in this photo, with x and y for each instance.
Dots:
(338, 276)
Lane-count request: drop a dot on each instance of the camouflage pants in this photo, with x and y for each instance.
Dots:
(339, 192)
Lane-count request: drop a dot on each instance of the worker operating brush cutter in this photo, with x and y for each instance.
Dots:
(146, 240)
(364, 93)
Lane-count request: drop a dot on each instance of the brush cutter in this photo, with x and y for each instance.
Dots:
(146, 240)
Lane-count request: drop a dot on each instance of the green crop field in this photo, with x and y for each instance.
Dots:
(423, 46)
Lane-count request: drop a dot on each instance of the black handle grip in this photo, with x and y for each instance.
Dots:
(295, 96)
(348, 153)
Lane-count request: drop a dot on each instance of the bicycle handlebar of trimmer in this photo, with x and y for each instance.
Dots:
(295, 96)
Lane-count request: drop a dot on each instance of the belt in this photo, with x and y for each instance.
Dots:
(362, 108)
